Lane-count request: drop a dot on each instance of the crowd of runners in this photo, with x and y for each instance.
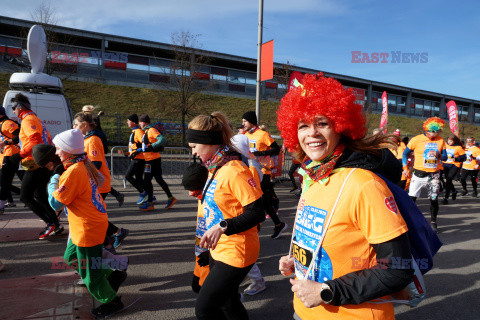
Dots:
(343, 171)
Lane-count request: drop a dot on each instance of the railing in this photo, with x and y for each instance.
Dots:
(174, 162)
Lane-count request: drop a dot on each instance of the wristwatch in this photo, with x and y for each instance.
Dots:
(326, 293)
(223, 225)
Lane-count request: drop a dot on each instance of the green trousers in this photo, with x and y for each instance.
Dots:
(90, 268)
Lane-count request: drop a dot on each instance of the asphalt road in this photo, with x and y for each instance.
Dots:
(160, 248)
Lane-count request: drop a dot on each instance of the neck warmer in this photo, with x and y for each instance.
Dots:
(74, 159)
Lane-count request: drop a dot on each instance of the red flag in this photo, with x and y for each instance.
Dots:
(384, 118)
(453, 116)
(295, 79)
(266, 72)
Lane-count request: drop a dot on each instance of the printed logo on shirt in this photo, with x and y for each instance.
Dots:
(61, 189)
(252, 144)
(252, 183)
(391, 204)
(34, 127)
(94, 153)
(469, 157)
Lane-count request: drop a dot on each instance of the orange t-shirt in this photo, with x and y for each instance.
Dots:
(399, 151)
(8, 127)
(472, 153)
(87, 216)
(136, 137)
(452, 153)
(30, 126)
(427, 152)
(233, 188)
(95, 152)
(151, 136)
(366, 214)
(261, 140)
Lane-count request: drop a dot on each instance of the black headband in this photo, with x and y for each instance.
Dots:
(205, 137)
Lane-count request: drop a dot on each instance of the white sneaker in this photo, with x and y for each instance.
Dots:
(245, 281)
(255, 288)
(2, 205)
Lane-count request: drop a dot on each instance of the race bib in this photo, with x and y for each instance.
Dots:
(148, 168)
(430, 160)
(302, 259)
(450, 156)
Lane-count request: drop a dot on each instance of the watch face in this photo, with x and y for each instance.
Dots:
(326, 295)
(223, 224)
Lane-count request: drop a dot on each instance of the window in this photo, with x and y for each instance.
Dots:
(236, 77)
(427, 109)
(401, 104)
(476, 117)
(418, 107)
(436, 109)
(392, 103)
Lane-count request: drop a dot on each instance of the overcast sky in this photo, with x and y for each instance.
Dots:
(317, 34)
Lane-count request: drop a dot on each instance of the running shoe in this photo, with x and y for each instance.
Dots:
(108, 309)
(58, 230)
(255, 287)
(10, 204)
(110, 249)
(119, 238)
(454, 195)
(147, 206)
(245, 281)
(48, 232)
(277, 230)
(143, 198)
(434, 226)
(2, 205)
(171, 202)
(293, 189)
(445, 201)
(464, 193)
(474, 194)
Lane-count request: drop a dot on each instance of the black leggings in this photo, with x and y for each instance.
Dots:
(134, 174)
(450, 172)
(270, 200)
(33, 193)
(218, 298)
(111, 227)
(293, 167)
(155, 170)
(9, 168)
(473, 177)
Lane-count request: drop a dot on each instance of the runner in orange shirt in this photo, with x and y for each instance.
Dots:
(456, 155)
(152, 143)
(96, 153)
(263, 147)
(470, 166)
(9, 132)
(232, 208)
(136, 167)
(347, 219)
(77, 189)
(33, 191)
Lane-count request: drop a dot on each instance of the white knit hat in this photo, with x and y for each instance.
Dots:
(70, 141)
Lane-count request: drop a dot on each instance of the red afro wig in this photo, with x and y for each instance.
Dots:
(319, 95)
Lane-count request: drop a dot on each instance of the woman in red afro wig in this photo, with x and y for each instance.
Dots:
(320, 95)
(340, 167)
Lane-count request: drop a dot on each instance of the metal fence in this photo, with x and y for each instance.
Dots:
(174, 162)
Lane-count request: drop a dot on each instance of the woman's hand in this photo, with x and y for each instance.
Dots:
(211, 237)
(286, 266)
(308, 292)
(406, 173)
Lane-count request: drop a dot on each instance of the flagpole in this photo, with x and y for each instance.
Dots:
(259, 58)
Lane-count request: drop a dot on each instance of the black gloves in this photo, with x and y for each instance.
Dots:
(149, 149)
(204, 258)
(133, 155)
(258, 153)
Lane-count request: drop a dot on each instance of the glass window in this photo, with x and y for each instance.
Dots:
(401, 104)
(251, 78)
(236, 77)
(427, 108)
(436, 109)
(418, 107)
(392, 103)
(476, 117)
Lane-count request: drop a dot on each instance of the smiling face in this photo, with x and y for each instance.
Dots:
(204, 151)
(318, 138)
(63, 155)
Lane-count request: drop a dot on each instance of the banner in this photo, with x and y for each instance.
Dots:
(453, 116)
(384, 118)
(296, 78)
(266, 71)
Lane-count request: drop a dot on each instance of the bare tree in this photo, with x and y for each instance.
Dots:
(282, 75)
(186, 77)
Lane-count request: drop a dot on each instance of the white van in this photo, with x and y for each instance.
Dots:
(46, 98)
(45, 92)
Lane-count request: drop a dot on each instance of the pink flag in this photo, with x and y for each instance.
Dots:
(266, 72)
(453, 116)
(384, 118)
